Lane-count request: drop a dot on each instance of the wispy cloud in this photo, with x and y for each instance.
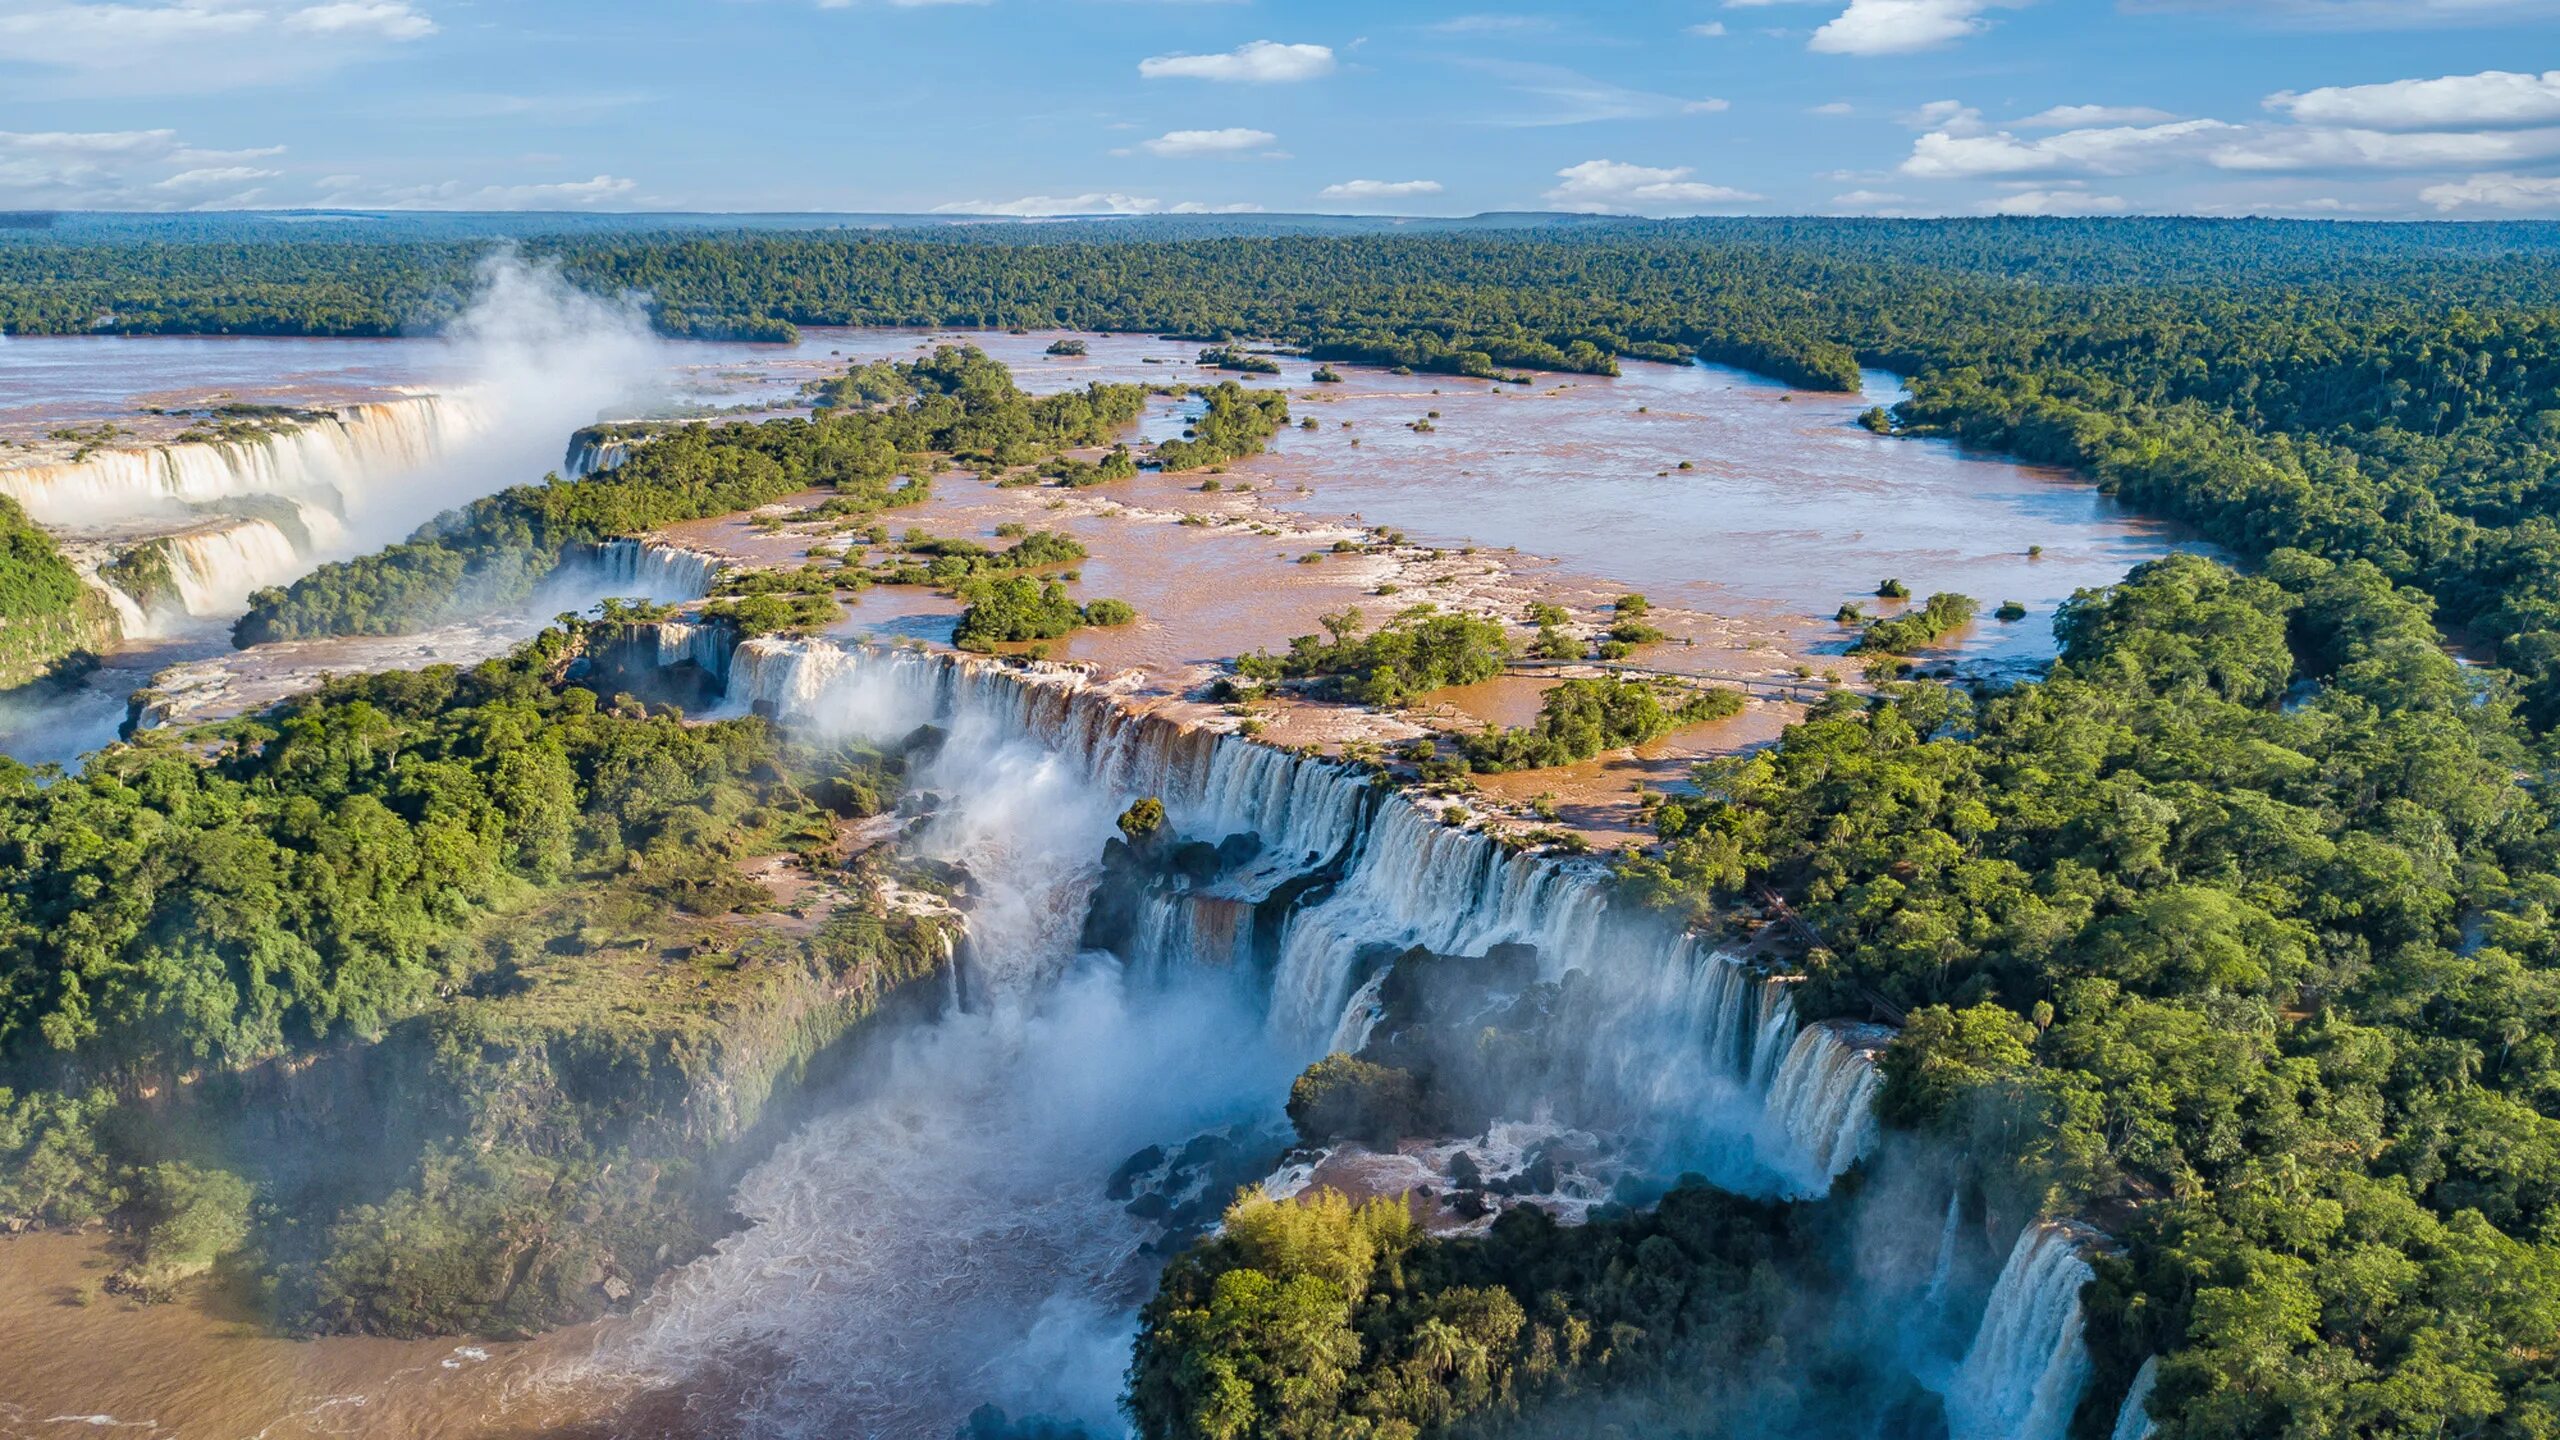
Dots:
(1257, 62)
(1379, 189)
(1572, 98)
(198, 45)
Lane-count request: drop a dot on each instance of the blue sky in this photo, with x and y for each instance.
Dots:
(2347, 108)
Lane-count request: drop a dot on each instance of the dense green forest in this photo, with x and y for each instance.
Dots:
(413, 997)
(2385, 392)
(46, 612)
(2236, 931)
(879, 434)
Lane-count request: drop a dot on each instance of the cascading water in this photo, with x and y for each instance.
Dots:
(2133, 1417)
(1824, 1096)
(215, 568)
(942, 1238)
(2022, 1377)
(332, 458)
(1685, 1043)
(630, 570)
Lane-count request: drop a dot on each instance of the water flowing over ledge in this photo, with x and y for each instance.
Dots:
(2023, 1376)
(330, 459)
(1681, 1044)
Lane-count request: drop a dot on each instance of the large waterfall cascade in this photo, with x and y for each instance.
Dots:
(207, 507)
(640, 570)
(1691, 1043)
(2028, 1364)
(335, 456)
(1676, 1036)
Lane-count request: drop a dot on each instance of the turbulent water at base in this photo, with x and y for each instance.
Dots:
(2022, 1377)
(944, 1237)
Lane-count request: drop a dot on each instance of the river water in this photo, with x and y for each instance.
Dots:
(1788, 509)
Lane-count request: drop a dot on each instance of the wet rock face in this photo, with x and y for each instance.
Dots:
(1182, 1192)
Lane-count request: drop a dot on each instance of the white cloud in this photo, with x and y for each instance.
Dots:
(1868, 199)
(1833, 108)
(1896, 27)
(1092, 202)
(2492, 99)
(2055, 202)
(1260, 62)
(597, 192)
(1952, 116)
(1234, 140)
(385, 19)
(2496, 192)
(124, 170)
(2111, 150)
(2307, 148)
(198, 45)
(1379, 189)
(1707, 31)
(1608, 186)
(2079, 117)
(1194, 207)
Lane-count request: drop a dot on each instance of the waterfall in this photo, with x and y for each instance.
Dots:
(1942, 1270)
(2133, 1417)
(1824, 1096)
(2022, 1377)
(1359, 1018)
(590, 452)
(635, 570)
(214, 569)
(331, 459)
(1696, 1050)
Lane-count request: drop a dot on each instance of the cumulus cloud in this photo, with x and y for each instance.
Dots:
(2496, 192)
(1707, 31)
(1258, 62)
(2492, 99)
(2079, 117)
(1181, 144)
(1379, 189)
(1897, 27)
(1965, 154)
(1608, 186)
(198, 45)
(126, 170)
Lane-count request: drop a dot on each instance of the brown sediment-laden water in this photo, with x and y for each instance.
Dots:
(939, 1237)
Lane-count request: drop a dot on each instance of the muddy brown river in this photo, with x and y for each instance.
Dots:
(1786, 508)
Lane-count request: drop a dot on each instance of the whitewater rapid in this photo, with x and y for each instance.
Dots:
(942, 1236)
